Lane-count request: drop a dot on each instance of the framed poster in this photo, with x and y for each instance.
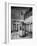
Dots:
(19, 21)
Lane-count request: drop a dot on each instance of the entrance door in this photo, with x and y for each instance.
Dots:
(18, 27)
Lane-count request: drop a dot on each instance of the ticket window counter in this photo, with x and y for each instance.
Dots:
(22, 31)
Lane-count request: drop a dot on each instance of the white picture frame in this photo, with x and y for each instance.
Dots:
(8, 19)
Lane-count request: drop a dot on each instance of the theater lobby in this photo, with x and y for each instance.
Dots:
(21, 22)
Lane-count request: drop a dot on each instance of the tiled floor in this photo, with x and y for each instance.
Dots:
(15, 35)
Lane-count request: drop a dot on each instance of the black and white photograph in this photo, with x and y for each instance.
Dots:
(21, 22)
(18, 23)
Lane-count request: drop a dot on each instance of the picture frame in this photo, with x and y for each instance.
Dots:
(8, 20)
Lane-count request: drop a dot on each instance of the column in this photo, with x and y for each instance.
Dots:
(29, 27)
